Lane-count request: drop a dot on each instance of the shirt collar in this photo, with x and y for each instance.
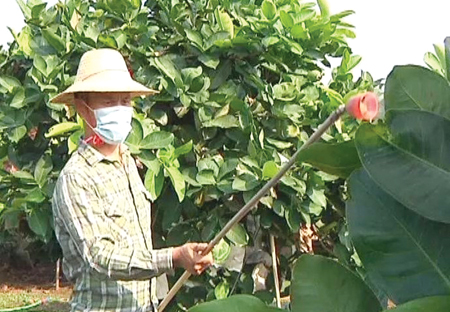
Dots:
(92, 156)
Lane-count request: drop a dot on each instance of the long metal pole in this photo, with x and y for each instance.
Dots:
(255, 199)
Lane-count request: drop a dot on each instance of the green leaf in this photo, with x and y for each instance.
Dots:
(157, 140)
(209, 60)
(195, 37)
(279, 144)
(43, 167)
(321, 284)
(62, 128)
(206, 177)
(37, 10)
(225, 22)
(222, 290)
(245, 182)
(55, 41)
(293, 218)
(447, 55)
(183, 149)
(237, 303)
(120, 38)
(18, 100)
(392, 242)
(167, 66)
(238, 235)
(73, 141)
(135, 137)
(8, 84)
(221, 251)
(324, 8)
(414, 87)
(413, 164)
(284, 91)
(227, 121)
(229, 165)
(317, 196)
(177, 181)
(299, 32)
(270, 169)
(433, 62)
(154, 181)
(17, 133)
(434, 304)
(271, 40)
(269, 9)
(189, 74)
(222, 74)
(108, 41)
(35, 196)
(25, 9)
(339, 159)
(210, 228)
(286, 19)
(38, 221)
(294, 47)
(23, 175)
(171, 214)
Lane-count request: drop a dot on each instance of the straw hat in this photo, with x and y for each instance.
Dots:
(102, 70)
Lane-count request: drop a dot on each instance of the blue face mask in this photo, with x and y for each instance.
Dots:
(113, 123)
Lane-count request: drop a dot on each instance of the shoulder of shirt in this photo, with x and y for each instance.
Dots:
(76, 166)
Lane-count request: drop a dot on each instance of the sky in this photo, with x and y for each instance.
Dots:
(388, 32)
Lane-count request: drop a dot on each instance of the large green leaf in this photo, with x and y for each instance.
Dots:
(405, 254)
(221, 251)
(227, 121)
(429, 304)
(43, 167)
(238, 303)
(38, 221)
(269, 9)
(177, 181)
(135, 137)
(415, 87)
(54, 40)
(339, 159)
(62, 128)
(225, 22)
(447, 56)
(238, 235)
(413, 164)
(155, 140)
(321, 284)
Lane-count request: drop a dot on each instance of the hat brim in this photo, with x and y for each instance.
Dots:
(107, 81)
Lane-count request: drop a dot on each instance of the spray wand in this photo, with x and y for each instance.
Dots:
(364, 106)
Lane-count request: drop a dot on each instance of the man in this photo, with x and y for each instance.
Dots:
(101, 208)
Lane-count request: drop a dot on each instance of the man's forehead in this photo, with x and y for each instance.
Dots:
(108, 95)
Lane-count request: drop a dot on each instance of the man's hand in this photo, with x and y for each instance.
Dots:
(190, 256)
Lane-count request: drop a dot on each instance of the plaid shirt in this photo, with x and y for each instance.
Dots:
(102, 222)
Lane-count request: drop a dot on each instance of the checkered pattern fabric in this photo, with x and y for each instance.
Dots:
(102, 222)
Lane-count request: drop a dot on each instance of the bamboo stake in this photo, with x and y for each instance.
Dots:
(255, 199)
(275, 270)
(57, 274)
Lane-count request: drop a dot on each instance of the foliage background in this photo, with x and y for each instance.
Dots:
(240, 90)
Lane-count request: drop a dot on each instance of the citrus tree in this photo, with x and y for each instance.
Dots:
(397, 212)
(240, 90)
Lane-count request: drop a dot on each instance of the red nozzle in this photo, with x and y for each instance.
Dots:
(364, 106)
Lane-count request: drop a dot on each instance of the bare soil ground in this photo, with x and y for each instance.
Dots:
(21, 287)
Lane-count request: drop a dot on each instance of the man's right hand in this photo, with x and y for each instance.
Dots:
(190, 257)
